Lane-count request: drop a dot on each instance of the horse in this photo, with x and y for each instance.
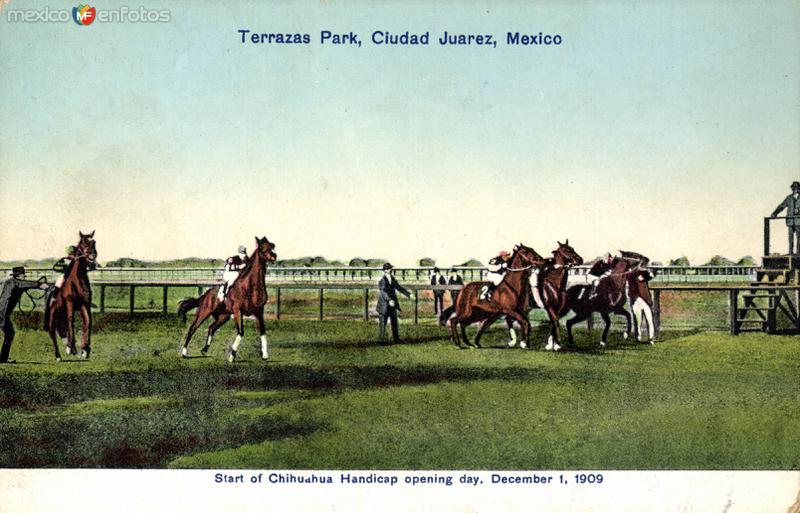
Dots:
(625, 282)
(510, 298)
(74, 294)
(550, 289)
(246, 297)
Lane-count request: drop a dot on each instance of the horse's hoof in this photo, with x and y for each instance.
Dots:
(231, 356)
(523, 345)
(652, 342)
(556, 347)
(602, 344)
(184, 352)
(511, 343)
(84, 355)
(58, 358)
(625, 336)
(204, 351)
(265, 356)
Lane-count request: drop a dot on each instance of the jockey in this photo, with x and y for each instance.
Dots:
(601, 269)
(233, 266)
(60, 267)
(63, 264)
(497, 270)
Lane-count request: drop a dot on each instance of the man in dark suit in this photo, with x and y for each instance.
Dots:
(11, 289)
(438, 295)
(454, 279)
(388, 306)
(792, 206)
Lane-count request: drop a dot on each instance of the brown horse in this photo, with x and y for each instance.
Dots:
(246, 297)
(625, 283)
(550, 292)
(74, 294)
(510, 298)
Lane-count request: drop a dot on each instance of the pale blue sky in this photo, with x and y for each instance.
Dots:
(667, 127)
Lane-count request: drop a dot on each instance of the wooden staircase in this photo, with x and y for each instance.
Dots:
(758, 307)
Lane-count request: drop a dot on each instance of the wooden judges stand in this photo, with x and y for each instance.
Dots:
(773, 293)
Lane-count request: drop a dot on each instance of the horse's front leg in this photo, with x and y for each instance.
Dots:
(70, 349)
(485, 324)
(86, 346)
(218, 321)
(607, 321)
(238, 319)
(262, 332)
(524, 324)
(552, 341)
(628, 321)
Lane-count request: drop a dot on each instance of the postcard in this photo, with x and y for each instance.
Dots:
(400, 256)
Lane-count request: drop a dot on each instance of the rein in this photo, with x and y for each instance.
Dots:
(32, 299)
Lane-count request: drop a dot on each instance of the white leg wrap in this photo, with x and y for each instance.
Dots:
(184, 352)
(640, 310)
(236, 343)
(208, 340)
(513, 341)
(264, 352)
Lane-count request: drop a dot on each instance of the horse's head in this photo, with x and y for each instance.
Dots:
(266, 249)
(86, 247)
(635, 259)
(565, 255)
(524, 256)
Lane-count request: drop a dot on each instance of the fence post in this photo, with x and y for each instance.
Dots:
(733, 306)
(366, 304)
(416, 306)
(199, 291)
(102, 298)
(164, 297)
(320, 304)
(132, 297)
(656, 312)
(278, 303)
(766, 236)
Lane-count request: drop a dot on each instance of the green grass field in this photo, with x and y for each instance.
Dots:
(330, 397)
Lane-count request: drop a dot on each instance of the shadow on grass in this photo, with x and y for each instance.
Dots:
(141, 437)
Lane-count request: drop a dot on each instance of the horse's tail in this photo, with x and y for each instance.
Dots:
(186, 304)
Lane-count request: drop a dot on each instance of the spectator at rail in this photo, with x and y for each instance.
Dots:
(388, 305)
(438, 295)
(11, 291)
(792, 206)
(454, 279)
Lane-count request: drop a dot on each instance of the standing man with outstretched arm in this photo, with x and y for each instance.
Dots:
(792, 206)
(388, 306)
(11, 289)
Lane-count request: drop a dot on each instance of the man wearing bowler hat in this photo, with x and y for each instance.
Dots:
(438, 295)
(11, 289)
(388, 306)
(792, 206)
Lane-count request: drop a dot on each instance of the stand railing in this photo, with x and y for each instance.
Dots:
(767, 232)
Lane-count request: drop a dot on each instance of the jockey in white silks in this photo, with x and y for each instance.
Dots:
(233, 266)
(497, 268)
